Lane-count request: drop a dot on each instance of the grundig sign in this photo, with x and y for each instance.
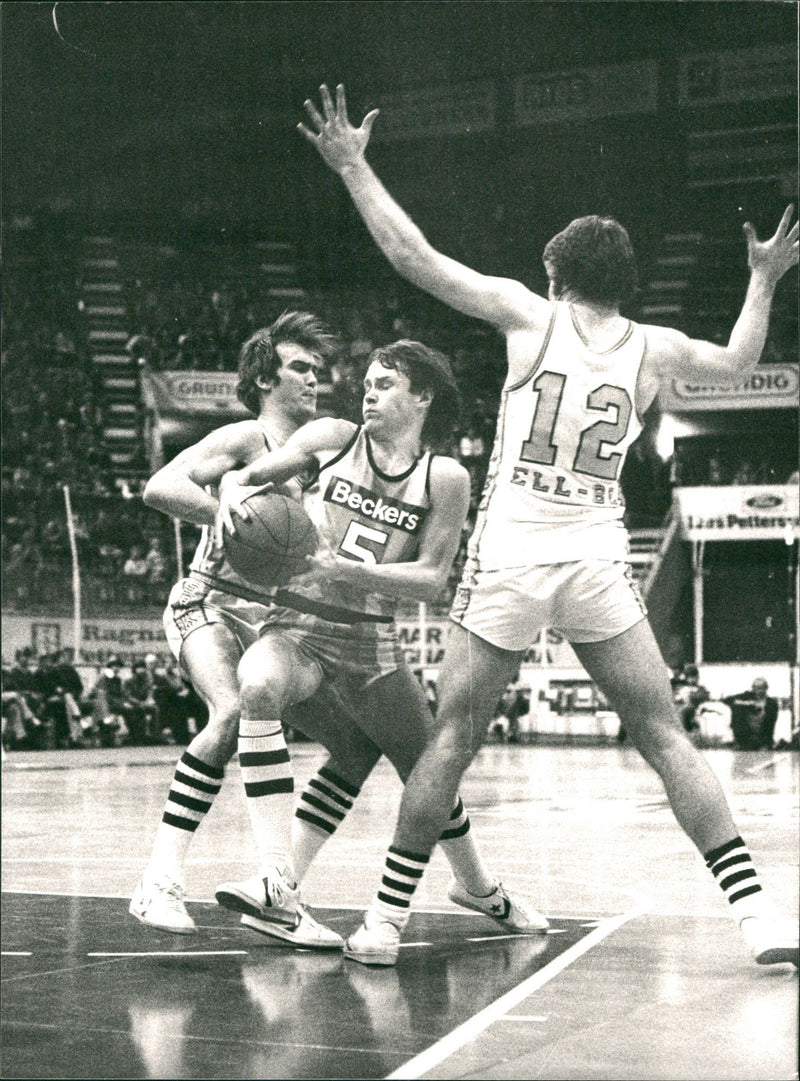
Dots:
(771, 386)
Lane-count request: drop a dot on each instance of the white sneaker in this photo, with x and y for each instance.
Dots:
(307, 931)
(272, 897)
(160, 903)
(770, 942)
(513, 913)
(376, 942)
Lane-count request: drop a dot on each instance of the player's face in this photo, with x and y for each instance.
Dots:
(389, 406)
(295, 389)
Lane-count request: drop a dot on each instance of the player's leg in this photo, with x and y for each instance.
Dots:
(471, 680)
(399, 719)
(209, 656)
(631, 673)
(273, 674)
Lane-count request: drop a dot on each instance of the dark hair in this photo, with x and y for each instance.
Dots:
(594, 258)
(427, 369)
(258, 358)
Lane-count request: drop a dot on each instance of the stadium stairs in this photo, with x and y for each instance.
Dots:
(106, 316)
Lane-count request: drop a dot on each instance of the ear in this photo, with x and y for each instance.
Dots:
(426, 396)
(265, 384)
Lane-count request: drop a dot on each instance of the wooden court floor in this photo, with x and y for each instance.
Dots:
(642, 976)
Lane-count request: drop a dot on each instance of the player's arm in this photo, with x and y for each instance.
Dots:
(675, 355)
(506, 303)
(276, 466)
(425, 578)
(179, 488)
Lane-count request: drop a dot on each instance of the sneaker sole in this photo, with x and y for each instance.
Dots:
(237, 901)
(288, 934)
(162, 926)
(776, 955)
(384, 960)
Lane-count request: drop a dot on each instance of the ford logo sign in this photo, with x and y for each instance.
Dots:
(764, 502)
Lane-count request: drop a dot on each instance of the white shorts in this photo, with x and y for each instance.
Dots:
(587, 601)
(194, 604)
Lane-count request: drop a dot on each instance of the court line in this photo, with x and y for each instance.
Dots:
(175, 953)
(470, 1029)
(15, 953)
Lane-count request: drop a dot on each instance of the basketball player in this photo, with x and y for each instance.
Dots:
(549, 547)
(390, 514)
(209, 629)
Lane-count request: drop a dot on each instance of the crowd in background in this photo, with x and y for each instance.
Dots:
(192, 312)
(46, 706)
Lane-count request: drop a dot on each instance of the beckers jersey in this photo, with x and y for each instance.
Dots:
(366, 515)
(552, 492)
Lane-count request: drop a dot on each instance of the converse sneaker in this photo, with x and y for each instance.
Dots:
(160, 903)
(769, 941)
(376, 942)
(272, 897)
(512, 913)
(307, 931)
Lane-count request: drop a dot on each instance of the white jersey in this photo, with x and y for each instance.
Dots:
(552, 492)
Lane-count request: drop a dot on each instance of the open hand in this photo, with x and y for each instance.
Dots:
(773, 257)
(340, 144)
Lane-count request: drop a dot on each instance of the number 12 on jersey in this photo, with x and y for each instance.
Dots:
(592, 455)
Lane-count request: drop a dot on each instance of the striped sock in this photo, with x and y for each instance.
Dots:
(323, 803)
(194, 786)
(458, 845)
(401, 875)
(736, 876)
(269, 788)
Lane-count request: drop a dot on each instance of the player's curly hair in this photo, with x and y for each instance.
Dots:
(258, 358)
(427, 369)
(594, 259)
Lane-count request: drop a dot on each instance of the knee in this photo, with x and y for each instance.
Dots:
(223, 727)
(263, 698)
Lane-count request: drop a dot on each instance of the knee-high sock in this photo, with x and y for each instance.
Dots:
(269, 788)
(194, 785)
(322, 806)
(458, 845)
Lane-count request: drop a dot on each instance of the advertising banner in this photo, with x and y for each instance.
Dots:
(612, 90)
(757, 512)
(771, 386)
(192, 394)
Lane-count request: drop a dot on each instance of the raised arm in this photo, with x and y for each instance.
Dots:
(676, 355)
(506, 303)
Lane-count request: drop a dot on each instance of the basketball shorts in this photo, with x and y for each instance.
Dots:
(348, 655)
(586, 601)
(194, 604)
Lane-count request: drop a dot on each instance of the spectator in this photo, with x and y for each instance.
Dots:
(108, 705)
(754, 715)
(140, 709)
(156, 570)
(688, 693)
(134, 571)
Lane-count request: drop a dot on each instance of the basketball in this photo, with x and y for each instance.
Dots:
(270, 546)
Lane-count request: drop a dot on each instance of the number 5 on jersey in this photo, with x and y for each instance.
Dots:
(363, 543)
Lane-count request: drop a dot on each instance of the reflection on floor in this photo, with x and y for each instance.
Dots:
(122, 1001)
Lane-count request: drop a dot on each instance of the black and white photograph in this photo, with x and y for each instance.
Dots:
(321, 320)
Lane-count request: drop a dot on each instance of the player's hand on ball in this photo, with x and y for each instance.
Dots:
(339, 143)
(324, 566)
(232, 496)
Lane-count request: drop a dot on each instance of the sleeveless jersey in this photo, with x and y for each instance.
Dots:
(552, 492)
(366, 515)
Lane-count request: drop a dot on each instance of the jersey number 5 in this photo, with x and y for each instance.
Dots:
(357, 537)
(591, 457)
